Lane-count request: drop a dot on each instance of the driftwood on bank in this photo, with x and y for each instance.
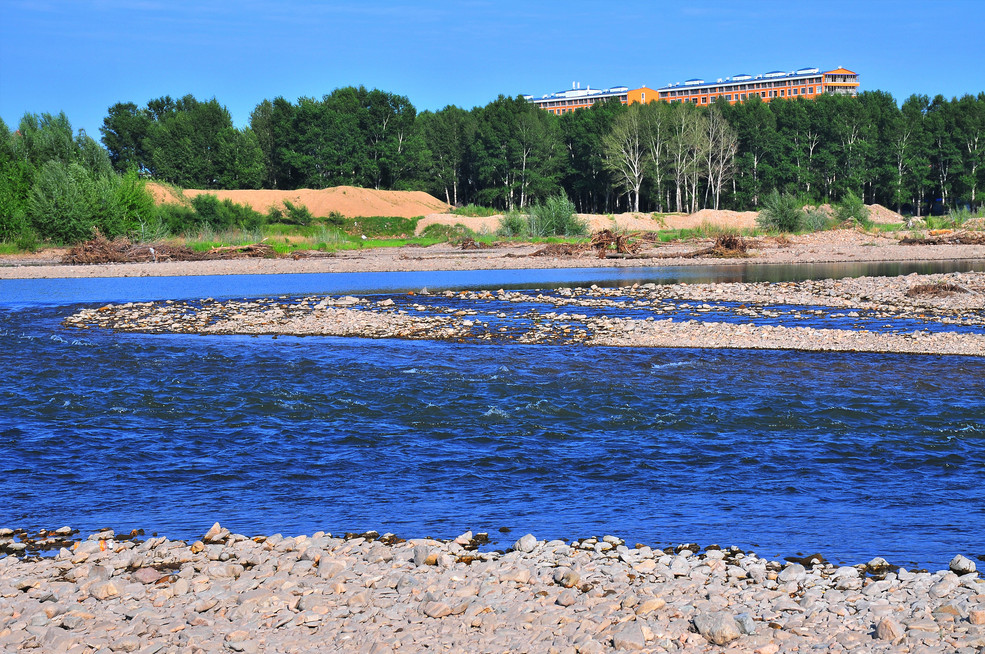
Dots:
(948, 238)
(99, 249)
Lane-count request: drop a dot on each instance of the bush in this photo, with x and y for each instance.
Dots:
(513, 224)
(852, 210)
(297, 215)
(223, 214)
(443, 232)
(555, 217)
(816, 220)
(780, 213)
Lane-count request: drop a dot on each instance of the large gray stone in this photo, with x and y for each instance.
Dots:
(961, 565)
(526, 544)
(718, 628)
(629, 637)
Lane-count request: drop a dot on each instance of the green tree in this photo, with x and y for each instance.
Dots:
(124, 131)
(626, 154)
(447, 136)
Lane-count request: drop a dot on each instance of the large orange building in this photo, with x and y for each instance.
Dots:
(581, 98)
(805, 82)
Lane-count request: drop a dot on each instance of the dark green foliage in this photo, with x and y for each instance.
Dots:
(453, 233)
(852, 210)
(296, 215)
(780, 213)
(514, 224)
(816, 220)
(555, 216)
(224, 214)
(177, 218)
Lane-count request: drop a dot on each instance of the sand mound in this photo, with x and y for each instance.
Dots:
(350, 201)
(883, 216)
(717, 218)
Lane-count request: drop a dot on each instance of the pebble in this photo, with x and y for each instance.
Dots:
(375, 594)
(546, 318)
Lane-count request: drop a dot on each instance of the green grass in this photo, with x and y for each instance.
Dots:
(704, 231)
(9, 248)
(475, 211)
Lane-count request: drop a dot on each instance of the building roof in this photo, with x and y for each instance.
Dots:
(586, 93)
(741, 78)
(840, 71)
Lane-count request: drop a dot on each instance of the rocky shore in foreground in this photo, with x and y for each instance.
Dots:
(675, 315)
(228, 592)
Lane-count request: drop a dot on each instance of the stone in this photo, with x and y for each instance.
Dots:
(794, 572)
(890, 630)
(746, 624)
(566, 577)
(104, 590)
(650, 605)
(421, 554)
(526, 544)
(629, 637)
(976, 616)
(718, 628)
(147, 575)
(437, 609)
(961, 565)
(566, 597)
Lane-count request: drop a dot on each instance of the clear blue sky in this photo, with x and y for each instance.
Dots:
(81, 56)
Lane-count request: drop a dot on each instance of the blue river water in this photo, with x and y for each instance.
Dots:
(850, 455)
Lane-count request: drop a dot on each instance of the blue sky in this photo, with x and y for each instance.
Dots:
(82, 56)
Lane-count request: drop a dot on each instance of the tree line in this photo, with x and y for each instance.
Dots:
(658, 156)
(924, 154)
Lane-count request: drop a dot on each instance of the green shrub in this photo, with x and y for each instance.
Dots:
(177, 218)
(852, 210)
(555, 217)
(816, 220)
(335, 218)
(780, 213)
(513, 224)
(443, 232)
(223, 214)
(297, 215)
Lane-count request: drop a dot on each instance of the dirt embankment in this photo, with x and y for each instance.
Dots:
(349, 201)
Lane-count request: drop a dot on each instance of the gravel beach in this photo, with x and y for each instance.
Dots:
(956, 299)
(367, 593)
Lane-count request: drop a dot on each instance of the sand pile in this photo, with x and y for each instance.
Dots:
(348, 200)
(883, 216)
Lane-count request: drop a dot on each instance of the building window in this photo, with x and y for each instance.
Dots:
(728, 97)
(818, 90)
(643, 97)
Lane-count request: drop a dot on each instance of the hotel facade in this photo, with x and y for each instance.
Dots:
(804, 82)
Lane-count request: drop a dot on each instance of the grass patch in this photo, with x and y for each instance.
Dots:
(475, 211)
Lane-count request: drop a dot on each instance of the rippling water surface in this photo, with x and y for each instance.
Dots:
(851, 455)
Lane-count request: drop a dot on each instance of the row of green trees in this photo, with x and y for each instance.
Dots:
(59, 185)
(659, 156)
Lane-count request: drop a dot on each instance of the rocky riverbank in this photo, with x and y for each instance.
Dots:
(855, 315)
(228, 592)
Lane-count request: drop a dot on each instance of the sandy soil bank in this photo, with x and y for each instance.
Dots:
(822, 247)
(320, 593)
